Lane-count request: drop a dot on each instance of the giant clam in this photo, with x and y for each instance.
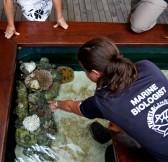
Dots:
(43, 77)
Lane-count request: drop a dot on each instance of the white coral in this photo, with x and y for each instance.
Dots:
(31, 123)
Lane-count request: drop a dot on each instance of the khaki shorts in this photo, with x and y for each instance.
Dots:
(144, 14)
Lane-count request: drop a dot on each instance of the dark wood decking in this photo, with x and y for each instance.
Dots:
(89, 11)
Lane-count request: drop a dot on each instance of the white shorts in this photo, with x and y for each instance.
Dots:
(35, 10)
(144, 13)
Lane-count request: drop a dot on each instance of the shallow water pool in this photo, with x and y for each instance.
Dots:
(73, 141)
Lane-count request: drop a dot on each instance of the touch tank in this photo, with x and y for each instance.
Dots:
(64, 136)
(38, 133)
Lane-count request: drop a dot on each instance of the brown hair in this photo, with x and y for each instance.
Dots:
(102, 55)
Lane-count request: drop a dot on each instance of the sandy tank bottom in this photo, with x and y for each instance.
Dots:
(73, 142)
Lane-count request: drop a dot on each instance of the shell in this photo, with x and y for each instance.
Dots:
(43, 77)
(34, 84)
(67, 74)
(27, 68)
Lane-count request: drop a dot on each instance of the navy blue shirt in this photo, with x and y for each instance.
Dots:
(141, 110)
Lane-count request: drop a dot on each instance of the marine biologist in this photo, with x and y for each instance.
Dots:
(134, 96)
(33, 10)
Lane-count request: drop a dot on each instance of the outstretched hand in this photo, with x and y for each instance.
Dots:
(61, 22)
(52, 105)
(10, 31)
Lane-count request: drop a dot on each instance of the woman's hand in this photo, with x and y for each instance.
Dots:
(10, 31)
(66, 105)
(61, 22)
(53, 105)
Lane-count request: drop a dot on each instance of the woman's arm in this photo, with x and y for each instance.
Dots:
(9, 11)
(60, 19)
(67, 105)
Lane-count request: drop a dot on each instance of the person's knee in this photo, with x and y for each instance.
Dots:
(136, 29)
(139, 27)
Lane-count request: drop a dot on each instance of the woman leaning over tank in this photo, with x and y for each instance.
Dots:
(131, 95)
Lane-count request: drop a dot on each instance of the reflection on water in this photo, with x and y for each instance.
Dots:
(73, 142)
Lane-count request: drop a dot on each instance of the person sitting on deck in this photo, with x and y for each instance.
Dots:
(144, 14)
(33, 10)
(134, 96)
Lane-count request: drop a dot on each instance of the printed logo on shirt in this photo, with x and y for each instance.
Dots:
(157, 118)
(146, 98)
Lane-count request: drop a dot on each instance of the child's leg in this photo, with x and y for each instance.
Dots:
(144, 15)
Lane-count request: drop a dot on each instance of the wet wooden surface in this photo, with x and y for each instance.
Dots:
(7, 68)
(44, 34)
(128, 150)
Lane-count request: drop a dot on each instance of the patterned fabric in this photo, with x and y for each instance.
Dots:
(35, 10)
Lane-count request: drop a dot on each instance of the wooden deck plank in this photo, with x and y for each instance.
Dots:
(1, 12)
(118, 10)
(82, 5)
(101, 11)
(95, 11)
(18, 15)
(89, 11)
(124, 10)
(113, 11)
(70, 10)
(77, 10)
(107, 11)
(52, 16)
(3, 17)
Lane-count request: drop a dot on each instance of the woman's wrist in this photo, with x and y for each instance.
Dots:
(56, 103)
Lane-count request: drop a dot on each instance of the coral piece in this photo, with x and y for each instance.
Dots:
(67, 74)
(43, 77)
(33, 98)
(53, 91)
(56, 75)
(27, 67)
(25, 138)
(44, 60)
(35, 124)
(22, 109)
(44, 64)
(31, 123)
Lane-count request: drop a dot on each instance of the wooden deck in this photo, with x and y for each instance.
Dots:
(89, 11)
